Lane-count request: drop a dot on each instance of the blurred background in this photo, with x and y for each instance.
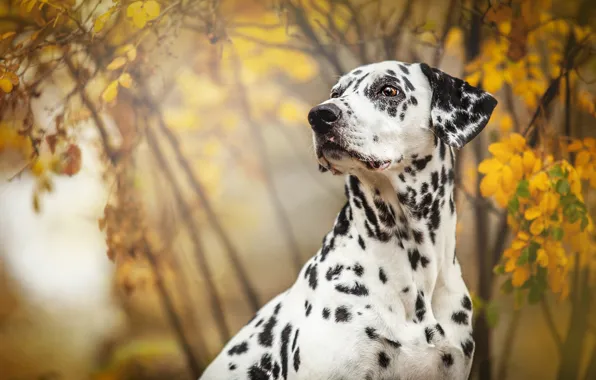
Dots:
(158, 183)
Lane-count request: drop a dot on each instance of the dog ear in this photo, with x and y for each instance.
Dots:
(458, 111)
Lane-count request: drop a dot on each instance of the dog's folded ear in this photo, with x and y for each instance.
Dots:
(458, 111)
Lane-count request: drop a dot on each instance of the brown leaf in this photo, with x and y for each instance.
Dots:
(518, 38)
(72, 160)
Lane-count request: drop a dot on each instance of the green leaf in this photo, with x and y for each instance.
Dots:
(533, 251)
(499, 269)
(584, 223)
(556, 171)
(507, 286)
(563, 187)
(523, 189)
(492, 314)
(535, 295)
(557, 233)
(513, 205)
(523, 257)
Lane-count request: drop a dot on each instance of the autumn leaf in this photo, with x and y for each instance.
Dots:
(111, 91)
(116, 63)
(142, 12)
(125, 80)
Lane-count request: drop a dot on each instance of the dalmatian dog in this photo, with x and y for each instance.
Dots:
(384, 297)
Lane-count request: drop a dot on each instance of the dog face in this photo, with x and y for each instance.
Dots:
(381, 114)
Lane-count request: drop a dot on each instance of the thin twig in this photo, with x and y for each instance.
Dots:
(233, 255)
(193, 232)
(259, 141)
(507, 347)
(551, 325)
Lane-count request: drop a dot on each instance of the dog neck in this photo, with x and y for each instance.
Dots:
(410, 208)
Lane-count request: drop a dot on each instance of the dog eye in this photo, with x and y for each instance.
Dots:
(389, 91)
(335, 94)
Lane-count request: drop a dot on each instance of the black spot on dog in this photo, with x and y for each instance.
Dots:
(334, 272)
(409, 85)
(257, 373)
(429, 333)
(402, 116)
(312, 276)
(295, 339)
(285, 340)
(371, 332)
(307, 308)
(406, 289)
(440, 329)
(266, 362)
(357, 289)
(382, 276)
(468, 347)
(231, 366)
(391, 72)
(404, 69)
(460, 317)
(418, 236)
(342, 314)
(447, 360)
(265, 337)
(358, 270)
(326, 313)
(297, 359)
(276, 370)
(383, 359)
(356, 72)
(466, 302)
(260, 322)
(393, 343)
(361, 243)
(238, 349)
(414, 100)
(420, 307)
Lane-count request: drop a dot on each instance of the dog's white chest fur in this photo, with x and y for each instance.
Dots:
(384, 297)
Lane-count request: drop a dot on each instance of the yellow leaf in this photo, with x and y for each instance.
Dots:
(125, 80)
(517, 167)
(520, 276)
(518, 244)
(473, 78)
(532, 213)
(518, 141)
(508, 182)
(489, 184)
(131, 54)
(539, 182)
(152, 9)
(510, 265)
(529, 158)
(110, 93)
(501, 198)
(493, 81)
(139, 20)
(6, 84)
(7, 35)
(590, 142)
(542, 258)
(100, 22)
(537, 226)
(117, 63)
(454, 39)
(500, 151)
(489, 165)
(582, 158)
(575, 145)
(134, 8)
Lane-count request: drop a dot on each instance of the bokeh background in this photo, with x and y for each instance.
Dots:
(158, 183)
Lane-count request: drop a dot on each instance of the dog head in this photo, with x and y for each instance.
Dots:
(380, 114)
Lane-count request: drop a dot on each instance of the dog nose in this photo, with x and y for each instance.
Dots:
(322, 117)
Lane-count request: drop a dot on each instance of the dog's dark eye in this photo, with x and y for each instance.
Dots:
(335, 94)
(389, 91)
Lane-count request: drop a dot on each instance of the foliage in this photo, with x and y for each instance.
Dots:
(196, 81)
